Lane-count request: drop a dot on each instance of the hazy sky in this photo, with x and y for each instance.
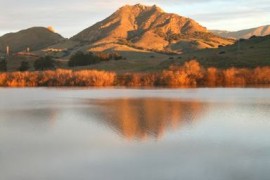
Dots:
(69, 17)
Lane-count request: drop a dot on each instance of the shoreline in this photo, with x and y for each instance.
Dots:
(189, 75)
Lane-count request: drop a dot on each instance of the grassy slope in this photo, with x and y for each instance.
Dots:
(249, 53)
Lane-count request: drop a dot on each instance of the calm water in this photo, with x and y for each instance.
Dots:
(118, 134)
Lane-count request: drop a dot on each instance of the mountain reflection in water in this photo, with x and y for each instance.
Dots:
(145, 117)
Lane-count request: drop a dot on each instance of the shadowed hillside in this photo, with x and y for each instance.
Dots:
(250, 53)
(34, 38)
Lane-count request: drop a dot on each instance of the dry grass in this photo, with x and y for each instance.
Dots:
(57, 78)
(191, 74)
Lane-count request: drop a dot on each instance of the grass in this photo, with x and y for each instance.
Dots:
(251, 53)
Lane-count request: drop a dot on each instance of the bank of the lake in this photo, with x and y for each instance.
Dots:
(191, 74)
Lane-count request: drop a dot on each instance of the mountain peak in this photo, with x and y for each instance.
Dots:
(141, 7)
(149, 27)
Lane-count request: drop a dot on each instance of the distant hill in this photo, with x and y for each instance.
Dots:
(244, 34)
(34, 38)
(249, 53)
(149, 28)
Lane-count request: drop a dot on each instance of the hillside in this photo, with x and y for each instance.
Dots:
(34, 38)
(149, 28)
(244, 34)
(250, 53)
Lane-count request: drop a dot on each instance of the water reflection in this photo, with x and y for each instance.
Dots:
(39, 119)
(145, 117)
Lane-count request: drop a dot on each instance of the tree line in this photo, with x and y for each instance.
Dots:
(77, 59)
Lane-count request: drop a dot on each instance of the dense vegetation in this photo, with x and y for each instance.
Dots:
(24, 66)
(86, 59)
(109, 56)
(196, 35)
(57, 78)
(191, 74)
(3, 65)
(44, 63)
(81, 59)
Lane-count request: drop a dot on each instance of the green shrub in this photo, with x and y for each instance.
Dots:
(44, 63)
(81, 59)
(3, 65)
(24, 66)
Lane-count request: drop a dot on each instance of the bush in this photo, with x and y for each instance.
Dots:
(24, 66)
(222, 52)
(103, 56)
(3, 66)
(44, 63)
(188, 75)
(117, 56)
(81, 59)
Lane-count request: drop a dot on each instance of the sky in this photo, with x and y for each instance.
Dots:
(69, 17)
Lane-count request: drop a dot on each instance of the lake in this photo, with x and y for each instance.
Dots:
(132, 134)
